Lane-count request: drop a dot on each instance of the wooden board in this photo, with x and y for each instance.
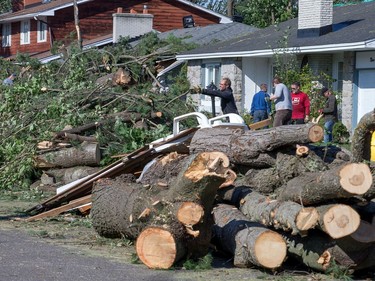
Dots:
(260, 124)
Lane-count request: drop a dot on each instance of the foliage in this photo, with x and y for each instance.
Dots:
(339, 272)
(200, 264)
(46, 98)
(340, 133)
(263, 13)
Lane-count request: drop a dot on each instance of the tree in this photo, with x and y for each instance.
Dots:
(5, 6)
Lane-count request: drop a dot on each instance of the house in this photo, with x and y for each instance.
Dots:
(34, 26)
(337, 40)
(202, 36)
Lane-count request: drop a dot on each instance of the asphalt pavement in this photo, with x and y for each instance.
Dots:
(25, 258)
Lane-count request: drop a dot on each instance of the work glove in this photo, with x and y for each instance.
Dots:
(196, 90)
(307, 119)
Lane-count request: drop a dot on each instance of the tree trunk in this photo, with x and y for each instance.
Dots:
(288, 216)
(344, 181)
(286, 167)
(243, 146)
(250, 243)
(84, 154)
(320, 252)
(361, 141)
(338, 220)
(121, 208)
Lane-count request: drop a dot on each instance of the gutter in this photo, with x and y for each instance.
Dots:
(48, 12)
(369, 44)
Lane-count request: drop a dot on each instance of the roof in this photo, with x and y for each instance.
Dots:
(213, 33)
(44, 9)
(353, 29)
(48, 9)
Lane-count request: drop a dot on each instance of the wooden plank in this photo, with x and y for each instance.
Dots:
(260, 124)
(57, 211)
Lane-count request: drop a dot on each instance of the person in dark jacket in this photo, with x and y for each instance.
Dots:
(330, 113)
(225, 92)
(260, 105)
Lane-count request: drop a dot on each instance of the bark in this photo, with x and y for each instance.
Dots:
(344, 181)
(361, 140)
(338, 220)
(242, 147)
(68, 175)
(123, 116)
(320, 252)
(288, 216)
(286, 167)
(250, 243)
(84, 154)
(123, 208)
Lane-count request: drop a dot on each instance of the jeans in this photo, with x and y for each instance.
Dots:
(328, 127)
(260, 115)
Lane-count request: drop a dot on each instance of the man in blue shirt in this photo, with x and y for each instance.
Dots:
(261, 105)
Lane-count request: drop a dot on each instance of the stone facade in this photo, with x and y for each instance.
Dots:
(347, 90)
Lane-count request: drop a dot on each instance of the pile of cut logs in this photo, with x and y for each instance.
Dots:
(261, 196)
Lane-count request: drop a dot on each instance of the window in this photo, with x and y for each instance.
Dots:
(42, 31)
(7, 35)
(25, 32)
(340, 75)
(211, 72)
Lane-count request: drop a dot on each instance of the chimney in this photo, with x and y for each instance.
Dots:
(131, 25)
(314, 17)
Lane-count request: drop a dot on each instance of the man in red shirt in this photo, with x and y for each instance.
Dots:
(301, 105)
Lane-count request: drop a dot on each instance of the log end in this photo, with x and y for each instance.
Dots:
(307, 219)
(156, 248)
(207, 163)
(316, 133)
(340, 220)
(190, 213)
(270, 249)
(356, 178)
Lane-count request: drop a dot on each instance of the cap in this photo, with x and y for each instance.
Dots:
(323, 91)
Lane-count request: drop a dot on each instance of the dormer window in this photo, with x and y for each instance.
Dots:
(25, 32)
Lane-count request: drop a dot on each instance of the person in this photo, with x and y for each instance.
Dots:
(260, 105)
(225, 92)
(300, 105)
(9, 80)
(329, 113)
(283, 103)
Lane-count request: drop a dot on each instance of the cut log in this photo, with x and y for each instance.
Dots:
(243, 146)
(260, 124)
(361, 140)
(159, 248)
(342, 182)
(264, 181)
(338, 220)
(250, 243)
(365, 232)
(119, 205)
(288, 216)
(84, 154)
(320, 252)
(302, 150)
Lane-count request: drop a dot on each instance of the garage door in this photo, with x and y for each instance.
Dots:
(366, 92)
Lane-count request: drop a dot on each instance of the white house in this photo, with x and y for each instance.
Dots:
(337, 40)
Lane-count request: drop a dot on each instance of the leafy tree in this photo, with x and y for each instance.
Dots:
(5, 6)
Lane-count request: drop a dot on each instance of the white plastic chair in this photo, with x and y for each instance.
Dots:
(235, 120)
